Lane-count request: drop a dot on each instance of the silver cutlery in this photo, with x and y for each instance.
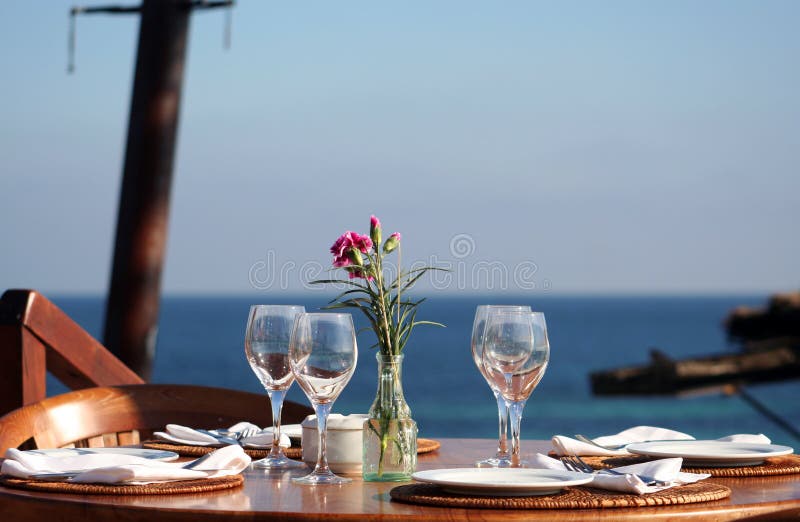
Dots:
(222, 438)
(193, 464)
(250, 432)
(63, 475)
(617, 447)
(587, 440)
(575, 463)
(238, 435)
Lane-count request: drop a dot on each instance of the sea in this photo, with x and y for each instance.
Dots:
(200, 341)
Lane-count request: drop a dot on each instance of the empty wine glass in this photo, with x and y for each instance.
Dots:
(323, 354)
(515, 355)
(266, 343)
(503, 458)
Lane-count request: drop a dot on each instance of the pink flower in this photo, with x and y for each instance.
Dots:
(374, 222)
(359, 273)
(344, 243)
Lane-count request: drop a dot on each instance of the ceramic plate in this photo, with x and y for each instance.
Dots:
(711, 453)
(506, 482)
(134, 452)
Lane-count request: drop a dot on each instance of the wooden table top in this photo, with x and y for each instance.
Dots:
(271, 496)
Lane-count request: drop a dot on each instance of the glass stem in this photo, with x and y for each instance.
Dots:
(322, 411)
(502, 413)
(515, 411)
(276, 401)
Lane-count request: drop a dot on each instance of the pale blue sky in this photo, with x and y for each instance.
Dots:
(621, 147)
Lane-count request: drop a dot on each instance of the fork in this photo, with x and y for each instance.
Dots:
(193, 464)
(616, 447)
(239, 435)
(247, 432)
(575, 463)
(593, 443)
(224, 439)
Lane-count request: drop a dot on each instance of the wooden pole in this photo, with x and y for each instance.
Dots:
(131, 323)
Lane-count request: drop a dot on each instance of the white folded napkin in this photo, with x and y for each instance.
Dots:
(563, 445)
(190, 436)
(668, 470)
(111, 468)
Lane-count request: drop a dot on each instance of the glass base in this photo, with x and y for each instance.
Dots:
(315, 478)
(279, 462)
(387, 477)
(495, 462)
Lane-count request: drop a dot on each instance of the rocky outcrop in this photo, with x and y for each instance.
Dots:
(780, 318)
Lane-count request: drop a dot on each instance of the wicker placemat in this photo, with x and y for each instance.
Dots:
(186, 450)
(570, 498)
(427, 445)
(160, 488)
(423, 446)
(785, 465)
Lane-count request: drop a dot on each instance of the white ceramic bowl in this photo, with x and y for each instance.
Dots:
(344, 441)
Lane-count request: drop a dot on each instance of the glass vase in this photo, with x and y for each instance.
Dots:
(390, 434)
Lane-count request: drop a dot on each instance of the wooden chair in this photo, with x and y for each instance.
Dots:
(122, 415)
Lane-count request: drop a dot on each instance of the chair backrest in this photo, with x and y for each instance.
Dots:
(121, 415)
(37, 337)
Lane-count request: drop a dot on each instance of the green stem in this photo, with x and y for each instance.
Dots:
(378, 262)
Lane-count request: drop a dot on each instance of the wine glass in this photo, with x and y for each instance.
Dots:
(515, 355)
(503, 458)
(266, 344)
(323, 354)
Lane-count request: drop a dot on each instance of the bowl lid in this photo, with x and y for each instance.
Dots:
(337, 421)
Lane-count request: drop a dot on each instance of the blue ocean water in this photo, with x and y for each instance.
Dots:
(201, 342)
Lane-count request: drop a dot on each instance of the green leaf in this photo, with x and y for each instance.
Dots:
(432, 323)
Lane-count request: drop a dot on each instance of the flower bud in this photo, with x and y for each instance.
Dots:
(375, 231)
(391, 243)
(355, 256)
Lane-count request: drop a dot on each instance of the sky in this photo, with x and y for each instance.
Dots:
(618, 147)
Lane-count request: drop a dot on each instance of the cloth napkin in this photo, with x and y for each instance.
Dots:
(668, 470)
(563, 445)
(110, 468)
(190, 436)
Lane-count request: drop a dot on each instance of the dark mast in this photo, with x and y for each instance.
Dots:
(131, 322)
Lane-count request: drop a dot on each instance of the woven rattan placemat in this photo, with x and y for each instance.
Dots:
(160, 488)
(185, 450)
(427, 445)
(570, 498)
(423, 446)
(772, 466)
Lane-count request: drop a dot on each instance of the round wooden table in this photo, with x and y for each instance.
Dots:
(272, 496)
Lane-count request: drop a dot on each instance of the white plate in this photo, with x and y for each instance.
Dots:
(134, 452)
(713, 453)
(502, 482)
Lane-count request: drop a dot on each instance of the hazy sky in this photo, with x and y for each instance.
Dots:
(610, 147)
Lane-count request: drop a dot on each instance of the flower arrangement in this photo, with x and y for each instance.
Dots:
(362, 257)
(390, 435)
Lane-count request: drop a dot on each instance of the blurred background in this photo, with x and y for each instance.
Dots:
(628, 168)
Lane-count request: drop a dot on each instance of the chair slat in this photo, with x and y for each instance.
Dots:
(128, 438)
(95, 442)
(94, 416)
(110, 440)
